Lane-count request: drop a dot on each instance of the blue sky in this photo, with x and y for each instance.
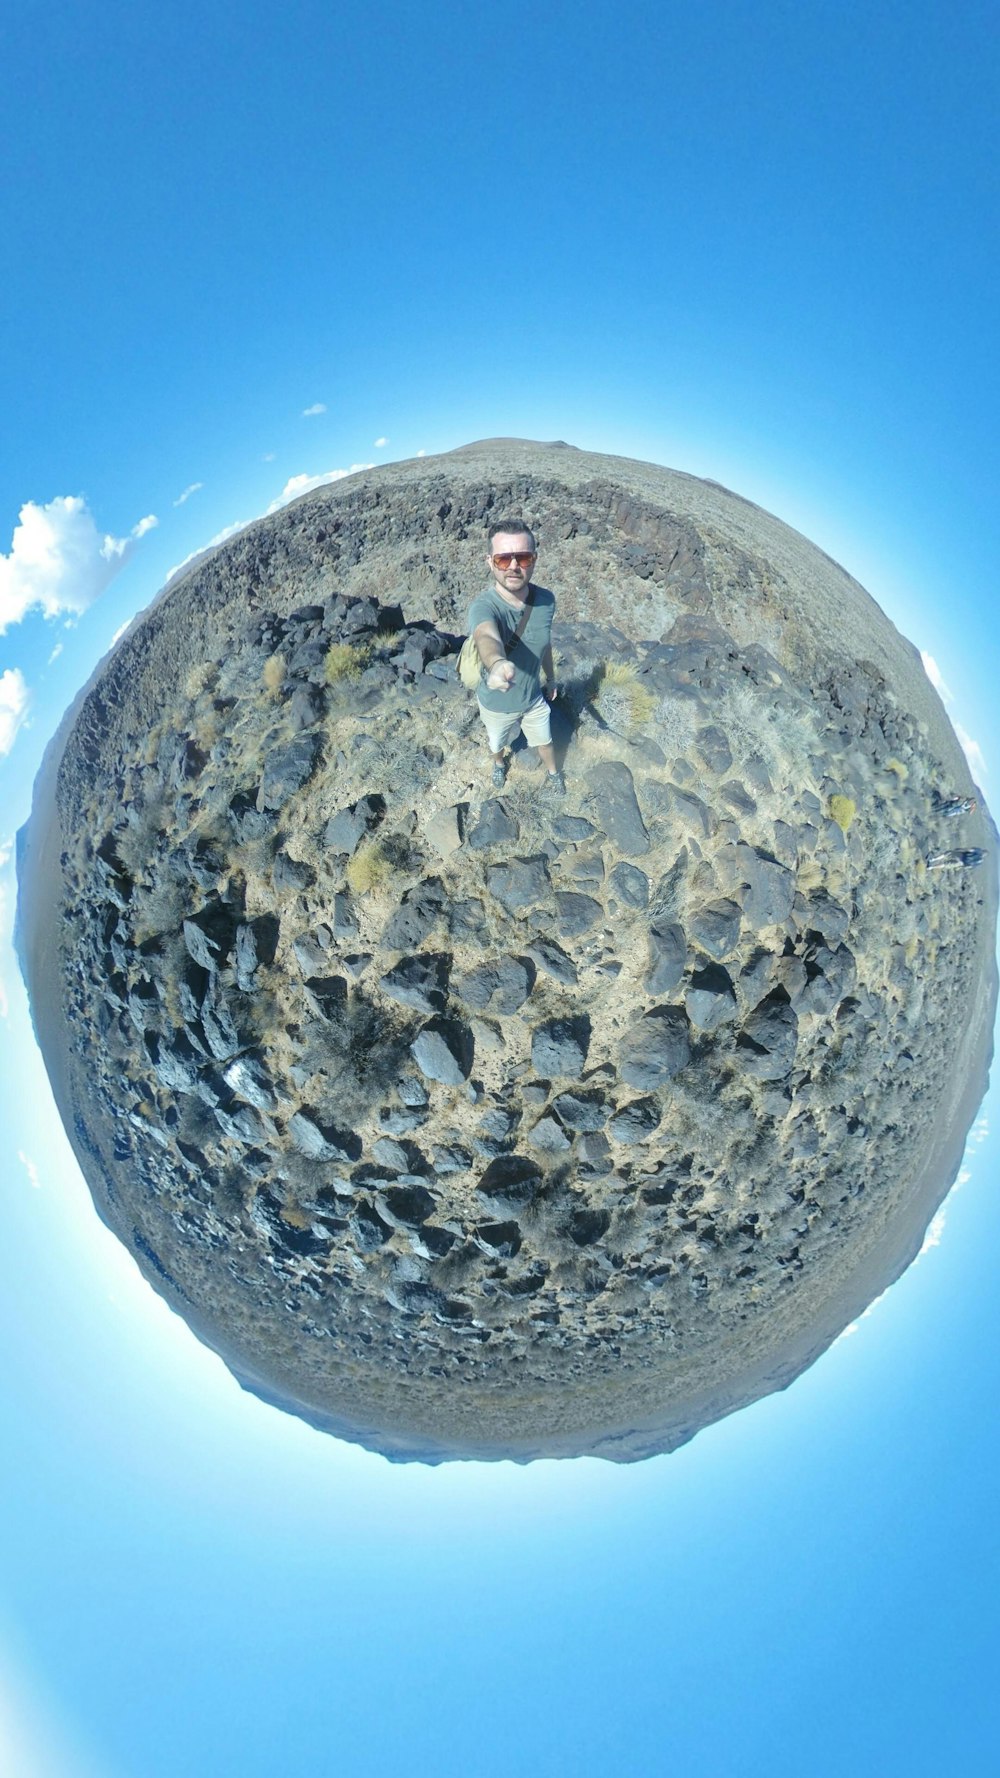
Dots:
(248, 246)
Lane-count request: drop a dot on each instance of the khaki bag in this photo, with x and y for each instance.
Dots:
(469, 667)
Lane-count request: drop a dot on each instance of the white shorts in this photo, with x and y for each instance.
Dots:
(502, 726)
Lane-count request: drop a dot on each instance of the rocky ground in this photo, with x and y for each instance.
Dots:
(470, 1123)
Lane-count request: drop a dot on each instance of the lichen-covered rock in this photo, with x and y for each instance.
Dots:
(491, 1126)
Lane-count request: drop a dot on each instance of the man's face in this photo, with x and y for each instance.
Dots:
(515, 577)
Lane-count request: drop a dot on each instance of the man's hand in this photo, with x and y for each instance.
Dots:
(500, 676)
(551, 692)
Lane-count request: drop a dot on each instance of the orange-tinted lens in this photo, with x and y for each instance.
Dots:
(522, 558)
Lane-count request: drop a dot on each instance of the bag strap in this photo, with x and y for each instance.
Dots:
(522, 620)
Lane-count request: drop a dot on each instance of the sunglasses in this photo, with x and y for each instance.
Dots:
(523, 558)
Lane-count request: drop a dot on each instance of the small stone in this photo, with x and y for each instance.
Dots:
(345, 925)
(595, 1153)
(415, 917)
(668, 950)
(630, 884)
(248, 1077)
(635, 1122)
(655, 1048)
(712, 748)
(291, 873)
(766, 1046)
(345, 830)
(710, 999)
(444, 831)
(406, 1205)
(420, 981)
(553, 960)
(442, 1052)
(412, 1091)
(716, 928)
(576, 913)
(581, 1111)
(389, 1154)
(311, 951)
(358, 963)
(548, 1137)
(560, 1047)
(611, 785)
(495, 827)
(521, 884)
(514, 982)
(572, 828)
(287, 769)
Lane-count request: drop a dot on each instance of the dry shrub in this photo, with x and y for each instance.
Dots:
(369, 869)
(199, 679)
(620, 698)
(843, 810)
(346, 660)
(274, 673)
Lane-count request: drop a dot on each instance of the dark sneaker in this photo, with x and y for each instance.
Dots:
(555, 784)
(499, 774)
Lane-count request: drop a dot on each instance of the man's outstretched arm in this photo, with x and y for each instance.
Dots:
(499, 670)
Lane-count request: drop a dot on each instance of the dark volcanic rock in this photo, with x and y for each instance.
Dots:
(560, 1047)
(287, 769)
(495, 827)
(768, 1041)
(655, 1048)
(443, 1051)
(520, 884)
(612, 788)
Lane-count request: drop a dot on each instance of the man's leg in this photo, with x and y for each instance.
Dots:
(500, 731)
(537, 725)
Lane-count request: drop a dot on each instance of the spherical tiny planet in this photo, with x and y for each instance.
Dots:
(474, 1120)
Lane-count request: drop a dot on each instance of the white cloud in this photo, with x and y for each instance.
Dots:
(318, 407)
(379, 442)
(972, 750)
(15, 700)
(58, 560)
(220, 537)
(30, 1168)
(421, 453)
(149, 523)
(193, 488)
(54, 656)
(6, 849)
(296, 485)
(935, 676)
(269, 456)
(304, 484)
(935, 1228)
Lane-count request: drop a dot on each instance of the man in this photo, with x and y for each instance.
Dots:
(511, 693)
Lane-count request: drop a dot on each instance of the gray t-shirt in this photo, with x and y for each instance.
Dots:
(526, 654)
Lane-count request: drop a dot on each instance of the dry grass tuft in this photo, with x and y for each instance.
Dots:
(346, 660)
(274, 673)
(843, 810)
(369, 869)
(620, 698)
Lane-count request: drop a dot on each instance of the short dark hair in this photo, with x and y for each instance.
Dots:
(513, 528)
